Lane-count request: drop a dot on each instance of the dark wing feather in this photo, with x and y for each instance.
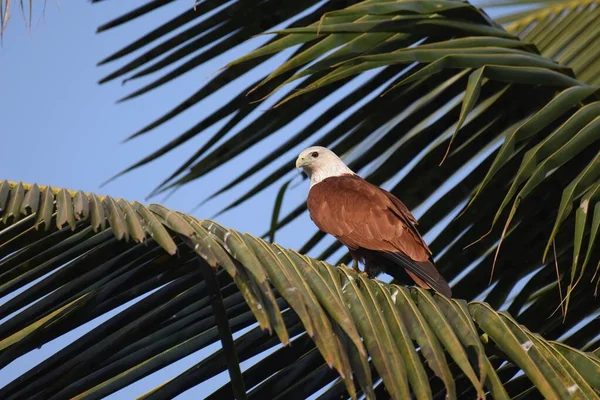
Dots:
(424, 270)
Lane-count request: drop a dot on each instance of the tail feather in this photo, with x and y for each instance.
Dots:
(426, 274)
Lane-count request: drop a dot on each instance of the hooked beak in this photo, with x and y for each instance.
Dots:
(300, 162)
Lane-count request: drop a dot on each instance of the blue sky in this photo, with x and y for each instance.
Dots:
(69, 128)
(60, 127)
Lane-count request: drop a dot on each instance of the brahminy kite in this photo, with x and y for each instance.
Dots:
(377, 227)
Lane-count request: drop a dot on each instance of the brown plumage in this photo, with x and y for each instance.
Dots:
(377, 227)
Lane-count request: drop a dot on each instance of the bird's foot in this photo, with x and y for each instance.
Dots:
(355, 267)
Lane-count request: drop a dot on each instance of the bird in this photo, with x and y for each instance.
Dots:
(377, 228)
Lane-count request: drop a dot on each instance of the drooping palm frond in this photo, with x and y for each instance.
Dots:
(7, 10)
(457, 86)
(498, 91)
(67, 257)
(228, 18)
(219, 28)
(565, 31)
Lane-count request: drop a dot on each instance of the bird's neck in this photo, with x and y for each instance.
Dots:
(329, 171)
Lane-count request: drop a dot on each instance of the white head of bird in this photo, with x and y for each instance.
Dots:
(320, 163)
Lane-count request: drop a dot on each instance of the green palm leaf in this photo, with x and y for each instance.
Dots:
(564, 31)
(360, 327)
(500, 68)
(425, 57)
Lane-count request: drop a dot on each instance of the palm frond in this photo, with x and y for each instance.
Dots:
(7, 10)
(543, 118)
(67, 257)
(565, 31)
(520, 124)
(429, 59)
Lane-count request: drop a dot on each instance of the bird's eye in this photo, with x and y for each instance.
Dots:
(314, 154)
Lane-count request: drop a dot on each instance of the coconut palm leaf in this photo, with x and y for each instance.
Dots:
(564, 31)
(360, 45)
(68, 257)
(456, 85)
(551, 128)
